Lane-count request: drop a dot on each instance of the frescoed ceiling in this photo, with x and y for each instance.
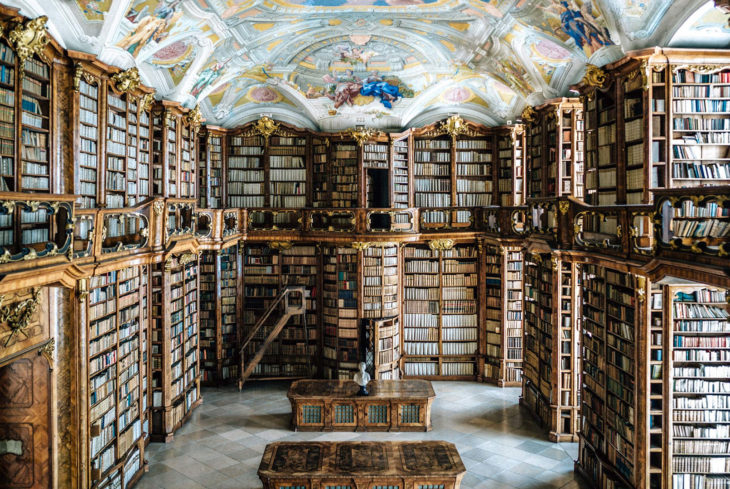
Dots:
(334, 64)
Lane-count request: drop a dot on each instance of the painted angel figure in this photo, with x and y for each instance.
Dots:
(151, 27)
(344, 88)
(580, 24)
(208, 76)
(375, 86)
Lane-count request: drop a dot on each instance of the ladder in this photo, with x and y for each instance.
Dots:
(290, 309)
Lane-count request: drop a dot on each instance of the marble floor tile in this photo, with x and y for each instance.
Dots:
(501, 444)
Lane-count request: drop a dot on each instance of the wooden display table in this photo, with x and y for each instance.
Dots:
(333, 405)
(361, 465)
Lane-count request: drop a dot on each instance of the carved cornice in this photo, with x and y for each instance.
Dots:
(18, 316)
(29, 38)
(126, 81)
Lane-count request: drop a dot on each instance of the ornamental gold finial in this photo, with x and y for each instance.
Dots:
(362, 135)
(594, 77)
(454, 126)
(529, 114)
(266, 127)
(194, 118)
(29, 38)
(128, 80)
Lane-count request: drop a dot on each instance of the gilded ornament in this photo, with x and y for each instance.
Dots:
(48, 350)
(362, 135)
(641, 288)
(701, 69)
(555, 263)
(441, 244)
(29, 38)
(168, 119)
(194, 118)
(529, 114)
(619, 231)
(455, 126)
(186, 258)
(83, 289)
(18, 316)
(517, 131)
(158, 207)
(265, 127)
(594, 76)
(563, 206)
(361, 245)
(147, 101)
(280, 245)
(126, 81)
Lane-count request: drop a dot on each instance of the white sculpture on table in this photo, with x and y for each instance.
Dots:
(362, 378)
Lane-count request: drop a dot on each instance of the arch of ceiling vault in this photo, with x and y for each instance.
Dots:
(484, 59)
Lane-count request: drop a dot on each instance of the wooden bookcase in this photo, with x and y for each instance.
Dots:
(175, 376)
(613, 310)
(267, 268)
(383, 347)
(116, 334)
(440, 332)
(343, 172)
(655, 120)
(211, 170)
(219, 332)
(401, 147)
(503, 288)
(174, 152)
(555, 163)
(551, 348)
(321, 191)
(510, 165)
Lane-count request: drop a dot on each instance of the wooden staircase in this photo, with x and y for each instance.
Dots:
(290, 308)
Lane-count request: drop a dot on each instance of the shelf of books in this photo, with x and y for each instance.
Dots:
(266, 269)
(474, 179)
(382, 352)
(340, 339)
(601, 179)
(401, 184)
(343, 173)
(700, 391)
(35, 150)
(380, 281)
(88, 169)
(218, 313)
(115, 169)
(632, 120)
(503, 320)
(432, 172)
(287, 171)
(656, 420)
(299, 339)
(116, 377)
(700, 125)
(8, 119)
(210, 169)
(550, 386)
(174, 344)
(535, 162)
(188, 160)
(608, 435)
(510, 162)
(440, 312)
(246, 172)
(320, 181)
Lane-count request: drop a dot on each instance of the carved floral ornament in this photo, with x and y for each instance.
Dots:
(194, 118)
(361, 245)
(363, 135)
(186, 258)
(528, 114)
(594, 78)
(147, 101)
(80, 73)
(563, 206)
(441, 244)
(126, 81)
(48, 350)
(18, 316)
(280, 245)
(29, 38)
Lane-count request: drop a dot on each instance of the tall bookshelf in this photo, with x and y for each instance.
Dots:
(380, 298)
(432, 184)
(510, 165)
(382, 349)
(267, 267)
(89, 126)
(555, 138)
(186, 178)
(401, 150)
(608, 437)
(321, 187)
(246, 172)
(287, 171)
(116, 330)
(474, 158)
(340, 325)
(503, 315)
(175, 379)
(440, 312)
(211, 181)
(376, 168)
(550, 386)
(343, 173)
(219, 335)
(601, 180)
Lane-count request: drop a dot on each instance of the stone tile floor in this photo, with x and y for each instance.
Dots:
(501, 445)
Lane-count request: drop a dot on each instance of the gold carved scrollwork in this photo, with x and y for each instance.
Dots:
(361, 245)
(701, 69)
(641, 288)
(194, 118)
(80, 73)
(158, 207)
(441, 244)
(563, 206)
(363, 135)
(186, 258)
(29, 38)
(126, 81)
(83, 289)
(555, 262)
(529, 114)
(146, 102)
(594, 78)
(455, 126)
(48, 350)
(19, 315)
(265, 127)
(168, 119)
(280, 245)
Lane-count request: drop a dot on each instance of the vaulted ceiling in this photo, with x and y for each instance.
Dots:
(333, 64)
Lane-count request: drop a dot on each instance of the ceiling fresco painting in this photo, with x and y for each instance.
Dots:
(333, 64)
